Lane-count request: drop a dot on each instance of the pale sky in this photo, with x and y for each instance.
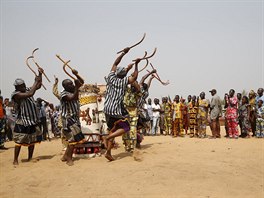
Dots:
(200, 44)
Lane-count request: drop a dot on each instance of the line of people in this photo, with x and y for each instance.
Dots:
(180, 117)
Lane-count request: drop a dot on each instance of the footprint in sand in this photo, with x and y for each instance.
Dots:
(138, 156)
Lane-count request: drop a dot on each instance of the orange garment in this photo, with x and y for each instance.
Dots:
(1, 110)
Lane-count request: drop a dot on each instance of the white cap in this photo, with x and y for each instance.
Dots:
(19, 81)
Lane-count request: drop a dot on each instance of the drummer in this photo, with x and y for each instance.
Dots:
(115, 112)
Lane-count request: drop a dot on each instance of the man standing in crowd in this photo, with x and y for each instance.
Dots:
(156, 116)
(260, 96)
(42, 118)
(215, 113)
(148, 108)
(10, 119)
(177, 127)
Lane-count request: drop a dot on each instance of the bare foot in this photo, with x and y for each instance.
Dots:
(63, 159)
(15, 162)
(109, 157)
(70, 163)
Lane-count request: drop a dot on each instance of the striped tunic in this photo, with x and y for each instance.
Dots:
(69, 108)
(27, 110)
(115, 91)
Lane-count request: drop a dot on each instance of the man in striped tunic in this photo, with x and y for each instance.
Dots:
(115, 112)
(26, 131)
(70, 114)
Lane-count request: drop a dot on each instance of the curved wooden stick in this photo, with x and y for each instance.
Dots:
(66, 64)
(64, 69)
(30, 57)
(135, 44)
(156, 73)
(156, 76)
(144, 66)
(147, 57)
(38, 64)
(30, 66)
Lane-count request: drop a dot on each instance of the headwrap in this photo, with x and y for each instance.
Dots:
(19, 81)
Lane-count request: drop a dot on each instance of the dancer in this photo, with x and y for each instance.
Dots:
(115, 112)
(70, 114)
(26, 131)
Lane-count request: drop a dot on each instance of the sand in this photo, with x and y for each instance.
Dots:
(164, 167)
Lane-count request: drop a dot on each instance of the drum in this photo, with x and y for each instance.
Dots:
(88, 110)
(101, 115)
(89, 118)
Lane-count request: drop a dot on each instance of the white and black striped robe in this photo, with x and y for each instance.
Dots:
(26, 130)
(114, 100)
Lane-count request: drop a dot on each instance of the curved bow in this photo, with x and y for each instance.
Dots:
(147, 57)
(158, 78)
(27, 63)
(64, 69)
(144, 66)
(135, 44)
(65, 64)
(32, 57)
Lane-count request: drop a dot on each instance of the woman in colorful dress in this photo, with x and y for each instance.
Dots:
(244, 112)
(232, 114)
(252, 116)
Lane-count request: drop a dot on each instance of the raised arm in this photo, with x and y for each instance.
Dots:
(75, 72)
(129, 67)
(146, 76)
(133, 77)
(119, 58)
(31, 92)
(150, 80)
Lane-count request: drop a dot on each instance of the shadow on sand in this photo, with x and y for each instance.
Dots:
(42, 157)
(122, 155)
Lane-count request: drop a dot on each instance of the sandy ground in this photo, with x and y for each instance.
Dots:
(164, 167)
